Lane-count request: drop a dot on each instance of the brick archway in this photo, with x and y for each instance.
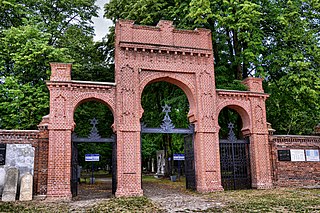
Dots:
(179, 81)
(145, 55)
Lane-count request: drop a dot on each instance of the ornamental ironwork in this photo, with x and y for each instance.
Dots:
(167, 126)
(94, 136)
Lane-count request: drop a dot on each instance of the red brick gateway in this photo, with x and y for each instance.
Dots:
(144, 55)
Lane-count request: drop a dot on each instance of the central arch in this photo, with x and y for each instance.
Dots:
(178, 80)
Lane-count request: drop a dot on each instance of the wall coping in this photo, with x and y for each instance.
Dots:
(296, 136)
(85, 82)
(18, 131)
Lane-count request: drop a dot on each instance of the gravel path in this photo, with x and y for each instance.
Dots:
(176, 200)
(168, 197)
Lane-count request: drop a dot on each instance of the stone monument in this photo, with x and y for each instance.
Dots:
(26, 187)
(10, 185)
(161, 163)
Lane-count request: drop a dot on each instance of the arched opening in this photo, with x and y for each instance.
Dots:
(92, 151)
(234, 149)
(166, 109)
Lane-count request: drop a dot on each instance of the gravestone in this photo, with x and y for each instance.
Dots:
(161, 163)
(20, 156)
(26, 187)
(10, 185)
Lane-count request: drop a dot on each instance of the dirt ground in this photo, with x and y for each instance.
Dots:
(171, 197)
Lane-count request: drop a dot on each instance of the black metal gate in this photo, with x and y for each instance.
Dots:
(189, 162)
(93, 137)
(74, 170)
(235, 162)
(167, 127)
(114, 167)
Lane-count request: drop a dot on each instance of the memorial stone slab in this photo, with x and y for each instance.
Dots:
(26, 187)
(2, 178)
(20, 156)
(10, 186)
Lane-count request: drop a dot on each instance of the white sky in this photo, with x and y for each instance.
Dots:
(101, 25)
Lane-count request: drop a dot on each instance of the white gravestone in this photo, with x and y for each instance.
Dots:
(26, 187)
(10, 185)
(20, 156)
(160, 162)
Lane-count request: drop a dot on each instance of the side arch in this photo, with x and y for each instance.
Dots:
(183, 81)
(79, 99)
(86, 97)
(243, 110)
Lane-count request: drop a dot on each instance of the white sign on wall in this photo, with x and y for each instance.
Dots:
(312, 155)
(297, 155)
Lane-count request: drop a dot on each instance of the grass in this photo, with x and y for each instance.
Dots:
(131, 204)
(275, 200)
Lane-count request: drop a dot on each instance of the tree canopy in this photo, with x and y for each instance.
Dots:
(275, 40)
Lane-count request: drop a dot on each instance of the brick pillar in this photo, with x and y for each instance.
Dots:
(259, 146)
(207, 162)
(129, 164)
(128, 132)
(60, 125)
(207, 158)
(59, 166)
(260, 161)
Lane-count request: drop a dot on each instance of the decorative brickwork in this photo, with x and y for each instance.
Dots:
(144, 55)
(289, 173)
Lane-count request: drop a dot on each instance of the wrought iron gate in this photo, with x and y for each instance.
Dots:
(74, 170)
(189, 162)
(93, 137)
(168, 127)
(114, 167)
(235, 162)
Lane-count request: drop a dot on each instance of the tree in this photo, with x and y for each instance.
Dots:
(34, 33)
(277, 40)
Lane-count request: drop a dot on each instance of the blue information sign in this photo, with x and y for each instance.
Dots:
(92, 157)
(178, 156)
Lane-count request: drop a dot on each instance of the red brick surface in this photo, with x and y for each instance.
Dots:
(144, 55)
(290, 174)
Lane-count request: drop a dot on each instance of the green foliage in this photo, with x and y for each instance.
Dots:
(296, 99)
(22, 105)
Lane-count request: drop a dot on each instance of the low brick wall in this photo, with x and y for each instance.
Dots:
(294, 173)
(39, 140)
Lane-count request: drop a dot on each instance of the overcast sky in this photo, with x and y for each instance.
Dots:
(101, 25)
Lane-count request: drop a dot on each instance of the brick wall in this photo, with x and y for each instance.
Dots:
(39, 140)
(289, 173)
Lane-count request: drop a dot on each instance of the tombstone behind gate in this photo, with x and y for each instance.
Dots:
(161, 162)
(26, 187)
(10, 185)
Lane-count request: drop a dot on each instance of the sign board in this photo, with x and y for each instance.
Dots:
(92, 157)
(312, 155)
(3, 148)
(297, 155)
(178, 156)
(284, 155)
